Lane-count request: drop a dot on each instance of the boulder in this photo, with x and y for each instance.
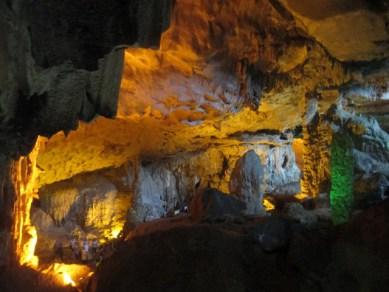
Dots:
(213, 204)
(245, 183)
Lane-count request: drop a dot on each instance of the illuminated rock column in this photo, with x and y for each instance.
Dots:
(342, 175)
(24, 233)
(316, 171)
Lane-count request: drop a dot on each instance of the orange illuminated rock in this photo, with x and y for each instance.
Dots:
(206, 81)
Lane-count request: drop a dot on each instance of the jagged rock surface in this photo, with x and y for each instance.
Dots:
(169, 184)
(316, 154)
(205, 85)
(187, 87)
(156, 193)
(371, 155)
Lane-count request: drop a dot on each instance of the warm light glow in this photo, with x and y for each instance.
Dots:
(269, 206)
(25, 234)
(298, 148)
(68, 280)
(116, 231)
(301, 196)
(68, 275)
(27, 256)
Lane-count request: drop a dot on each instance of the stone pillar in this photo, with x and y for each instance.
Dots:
(24, 173)
(245, 183)
(317, 135)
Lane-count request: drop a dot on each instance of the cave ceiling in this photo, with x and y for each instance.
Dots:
(219, 70)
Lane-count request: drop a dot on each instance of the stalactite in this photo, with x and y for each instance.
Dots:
(24, 173)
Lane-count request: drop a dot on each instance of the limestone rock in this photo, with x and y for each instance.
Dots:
(213, 204)
(90, 201)
(58, 202)
(181, 98)
(371, 156)
(155, 193)
(246, 181)
(41, 220)
(336, 23)
(293, 57)
(83, 38)
(105, 82)
(162, 186)
(281, 173)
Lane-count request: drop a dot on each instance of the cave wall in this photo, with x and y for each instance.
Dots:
(145, 189)
(45, 53)
(169, 184)
(370, 154)
(201, 85)
(52, 75)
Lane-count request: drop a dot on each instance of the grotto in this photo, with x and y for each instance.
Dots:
(194, 145)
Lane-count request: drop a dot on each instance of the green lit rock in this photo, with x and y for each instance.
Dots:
(342, 172)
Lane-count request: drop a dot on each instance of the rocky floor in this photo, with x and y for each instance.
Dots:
(264, 254)
(273, 253)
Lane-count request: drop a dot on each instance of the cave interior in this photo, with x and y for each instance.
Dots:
(180, 145)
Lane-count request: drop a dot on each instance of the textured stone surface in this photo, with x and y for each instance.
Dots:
(370, 151)
(212, 204)
(48, 54)
(246, 180)
(155, 193)
(167, 185)
(186, 88)
(83, 38)
(41, 220)
(186, 99)
(350, 31)
(203, 86)
(94, 148)
(316, 156)
(89, 202)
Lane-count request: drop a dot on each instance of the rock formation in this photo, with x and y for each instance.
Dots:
(246, 182)
(213, 205)
(272, 253)
(115, 113)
